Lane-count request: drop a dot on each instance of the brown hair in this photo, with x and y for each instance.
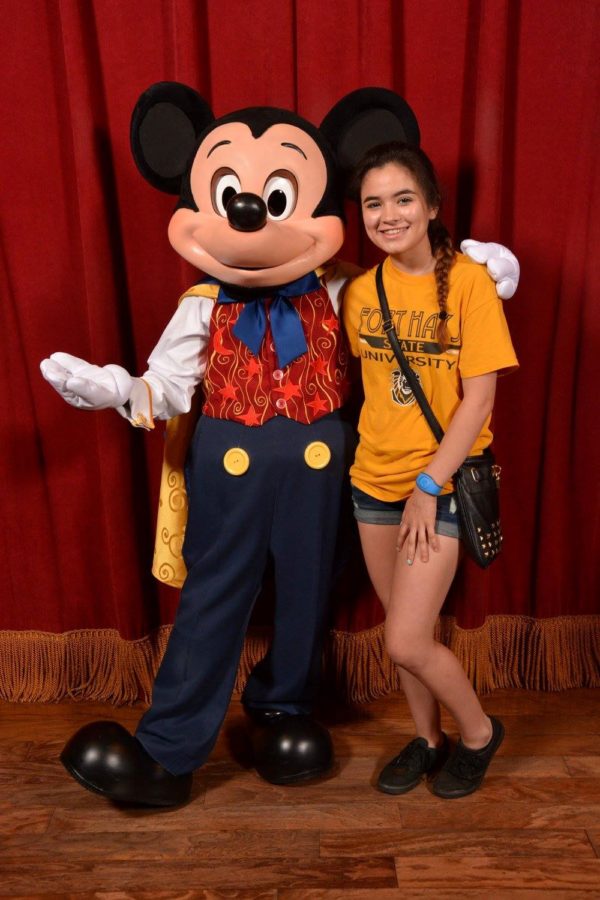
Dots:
(420, 166)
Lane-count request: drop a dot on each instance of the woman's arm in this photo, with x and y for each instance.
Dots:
(417, 531)
(465, 427)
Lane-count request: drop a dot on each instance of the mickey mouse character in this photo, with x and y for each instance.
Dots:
(260, 213)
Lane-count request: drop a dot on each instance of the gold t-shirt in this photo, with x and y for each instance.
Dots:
(396, 442)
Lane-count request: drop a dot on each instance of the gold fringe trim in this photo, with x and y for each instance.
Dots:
(95, 664)
(505, 652)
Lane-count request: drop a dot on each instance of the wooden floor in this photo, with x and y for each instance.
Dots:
(533, 830)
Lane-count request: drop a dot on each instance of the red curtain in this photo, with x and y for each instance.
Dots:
(507, 97)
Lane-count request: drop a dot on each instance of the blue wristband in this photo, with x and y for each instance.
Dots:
(428, 485)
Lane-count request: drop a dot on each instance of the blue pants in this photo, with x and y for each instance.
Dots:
(280, 508)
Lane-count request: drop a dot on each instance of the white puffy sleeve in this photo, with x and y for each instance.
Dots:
(336, 277)
(175, 366)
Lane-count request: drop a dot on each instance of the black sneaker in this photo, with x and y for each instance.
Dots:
(405, 771)
(465, 768)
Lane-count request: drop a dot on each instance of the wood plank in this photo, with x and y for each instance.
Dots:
(58, 721)
(61, 790)
(528, 766)
(550, 745)
(34, 878)
(401, 724)
(158, 846)
(552, 723)
(512, 816)
(501, 702)
(12, 751)
(247, 788)
(16, 818)
(594, 836)
(387, 743)
(584, 766)
(417, 893)
(350, 782)
(31, 773)
(344, 894)
(430, 842)
(322, 816)
(442, 875)
(578, 701)
(210, 894)
(506, 789)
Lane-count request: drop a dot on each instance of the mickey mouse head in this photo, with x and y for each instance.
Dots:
(260, 199)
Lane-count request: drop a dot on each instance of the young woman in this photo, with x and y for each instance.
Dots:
(452, 329)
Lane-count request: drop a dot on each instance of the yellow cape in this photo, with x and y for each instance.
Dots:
(168, 564)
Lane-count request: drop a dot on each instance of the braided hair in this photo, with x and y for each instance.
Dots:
(442, 249)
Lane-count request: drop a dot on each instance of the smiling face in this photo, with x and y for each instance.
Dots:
(267, 236)
(396, 215)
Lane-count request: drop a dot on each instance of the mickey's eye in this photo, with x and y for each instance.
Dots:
(280, 195)
(225, 185)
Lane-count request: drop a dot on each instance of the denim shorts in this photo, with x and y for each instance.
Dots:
(372, 511)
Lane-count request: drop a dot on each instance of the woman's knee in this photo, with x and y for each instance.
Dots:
(409, 651)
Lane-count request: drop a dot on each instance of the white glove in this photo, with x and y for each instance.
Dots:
(502, 265)
(86, 386)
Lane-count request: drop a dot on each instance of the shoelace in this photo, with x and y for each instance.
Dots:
(466, 765)
(414, 757)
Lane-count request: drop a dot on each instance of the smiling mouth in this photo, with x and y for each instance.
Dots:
(392, 232)
(300, 252)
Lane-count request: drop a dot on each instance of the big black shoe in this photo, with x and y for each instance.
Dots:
(104, 758)
(290, 749)
(465, 768)
(406, 770)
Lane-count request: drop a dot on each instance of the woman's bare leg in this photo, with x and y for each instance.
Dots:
(379, 549)
(418, 592)
(413, 596)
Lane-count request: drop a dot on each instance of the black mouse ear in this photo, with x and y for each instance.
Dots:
(165, 126)
(365, 118)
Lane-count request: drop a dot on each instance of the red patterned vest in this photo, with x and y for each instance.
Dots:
(252, 389)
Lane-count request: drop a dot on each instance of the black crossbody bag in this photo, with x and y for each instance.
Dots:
(476, 482)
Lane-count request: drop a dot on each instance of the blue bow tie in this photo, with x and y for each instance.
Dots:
(288, 334)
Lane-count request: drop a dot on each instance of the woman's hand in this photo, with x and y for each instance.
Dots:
(417, 529)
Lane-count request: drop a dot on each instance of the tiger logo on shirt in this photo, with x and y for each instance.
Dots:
(401, 390)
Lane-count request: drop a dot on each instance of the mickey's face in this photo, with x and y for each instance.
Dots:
(255, 198)
(260, 205)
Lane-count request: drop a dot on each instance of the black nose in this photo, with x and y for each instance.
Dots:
(247, 212)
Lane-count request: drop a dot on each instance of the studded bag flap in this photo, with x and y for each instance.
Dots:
(476, 482)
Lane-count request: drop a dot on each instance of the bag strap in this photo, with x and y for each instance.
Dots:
(404, 365)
